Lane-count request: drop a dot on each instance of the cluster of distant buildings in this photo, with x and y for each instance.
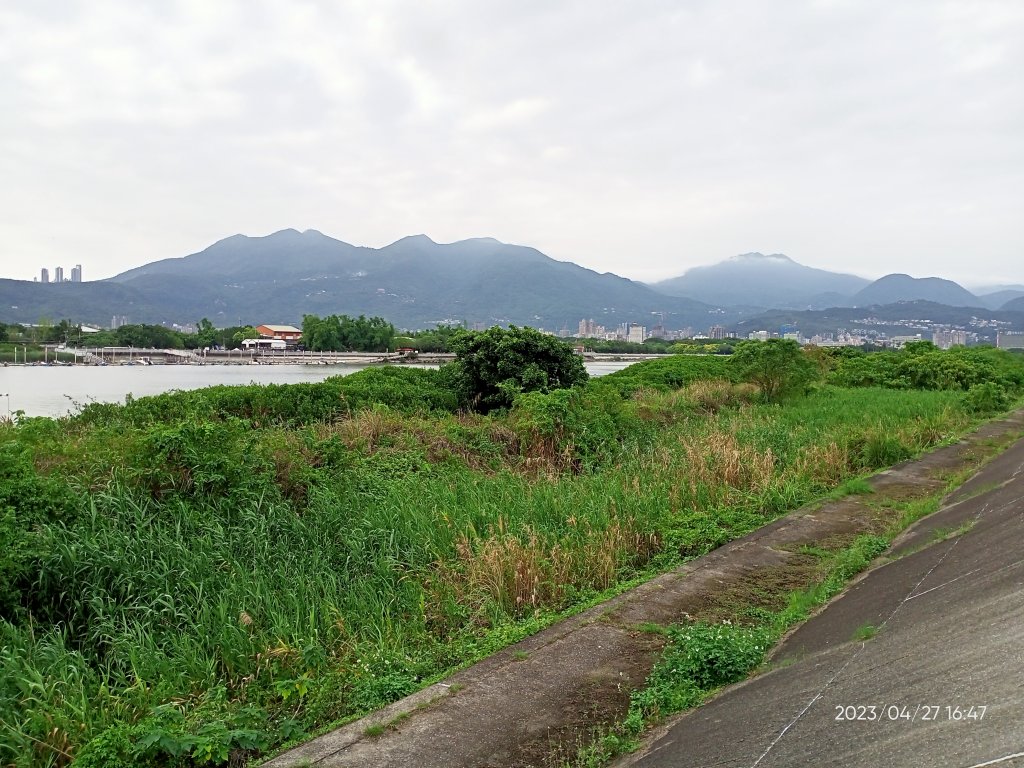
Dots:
(941, 337)
(634, 332)
(58, 275)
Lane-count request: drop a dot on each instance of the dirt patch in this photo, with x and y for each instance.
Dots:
(766, 589)
(600, 702)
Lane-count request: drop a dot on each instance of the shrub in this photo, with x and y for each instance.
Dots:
(668, 373)
(984, 398)
(496, 365)
(777, 366)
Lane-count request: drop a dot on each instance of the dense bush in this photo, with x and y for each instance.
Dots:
(495, 366)
(401, 388)
(668, 373)
(28, 501)
(778, 367)
(923, 366)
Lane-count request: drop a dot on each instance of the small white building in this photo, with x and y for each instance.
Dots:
(272, 344)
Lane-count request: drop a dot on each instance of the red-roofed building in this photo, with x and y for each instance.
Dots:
(283, 332)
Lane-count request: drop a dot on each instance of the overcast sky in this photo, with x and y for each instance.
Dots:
(638, 137)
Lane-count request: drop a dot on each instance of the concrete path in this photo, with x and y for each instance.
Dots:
(940, 682)
(536, 702)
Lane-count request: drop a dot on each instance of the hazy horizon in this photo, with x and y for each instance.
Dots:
(968, 283)
(642, 139)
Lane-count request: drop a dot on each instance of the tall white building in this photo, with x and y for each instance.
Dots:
(76, 273)
(44, 276)
(951, 338)
(58, 275)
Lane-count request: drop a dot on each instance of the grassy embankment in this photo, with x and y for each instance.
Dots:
(210, 573)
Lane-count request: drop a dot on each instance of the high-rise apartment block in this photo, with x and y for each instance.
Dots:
(716, 332)
(76, 273)
(944, 339)
(58, 275)
(44, 275)
(590, 330)
(637, 334)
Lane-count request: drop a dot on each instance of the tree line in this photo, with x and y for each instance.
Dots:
(141, 335)
(341, 333)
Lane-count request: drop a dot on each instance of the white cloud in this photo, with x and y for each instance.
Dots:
(639, 138)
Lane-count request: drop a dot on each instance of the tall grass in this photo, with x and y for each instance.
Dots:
(205, 581)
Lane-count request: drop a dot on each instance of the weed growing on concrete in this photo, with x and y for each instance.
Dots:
(864, 633)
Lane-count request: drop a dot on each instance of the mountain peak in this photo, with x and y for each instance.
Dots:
(761, 258)
(415, 240)
(758, 280)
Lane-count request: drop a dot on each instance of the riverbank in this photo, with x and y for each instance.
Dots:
(101, 356)
(59, 390)
(216, 572)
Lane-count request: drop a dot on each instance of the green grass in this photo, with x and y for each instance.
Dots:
(864, 633)
(857, 486)
(231, 568)
(701, 657)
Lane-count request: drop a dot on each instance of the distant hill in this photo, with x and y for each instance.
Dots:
(92, 302)
(413, 282)
(772, 281)
(1014, 305)
(898, 287)
(897, 318)
(998, 299)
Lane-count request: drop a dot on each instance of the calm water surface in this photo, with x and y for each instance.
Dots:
(57, 390)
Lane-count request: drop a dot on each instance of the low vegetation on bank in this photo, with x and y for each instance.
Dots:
(201, 576)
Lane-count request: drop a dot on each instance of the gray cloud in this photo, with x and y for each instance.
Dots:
(640, 138)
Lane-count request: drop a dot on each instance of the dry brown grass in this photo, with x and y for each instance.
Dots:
(827, 464)
(707, 396)
(717, 459)
(523, 573)
(499, 446)
(712, 395)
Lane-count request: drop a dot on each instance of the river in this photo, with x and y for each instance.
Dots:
(58, 390)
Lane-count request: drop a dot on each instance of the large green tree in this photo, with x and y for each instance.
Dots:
(777, 366)
(495, 365)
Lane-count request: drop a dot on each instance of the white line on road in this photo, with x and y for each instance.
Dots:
(906, 598)
(997, 760)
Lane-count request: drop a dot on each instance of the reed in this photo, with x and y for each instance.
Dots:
(170, 568)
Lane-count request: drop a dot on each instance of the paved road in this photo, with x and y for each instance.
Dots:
(941, 682)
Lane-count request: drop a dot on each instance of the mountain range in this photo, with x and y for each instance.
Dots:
(413, 282)
(416, 283)
(775, 281)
